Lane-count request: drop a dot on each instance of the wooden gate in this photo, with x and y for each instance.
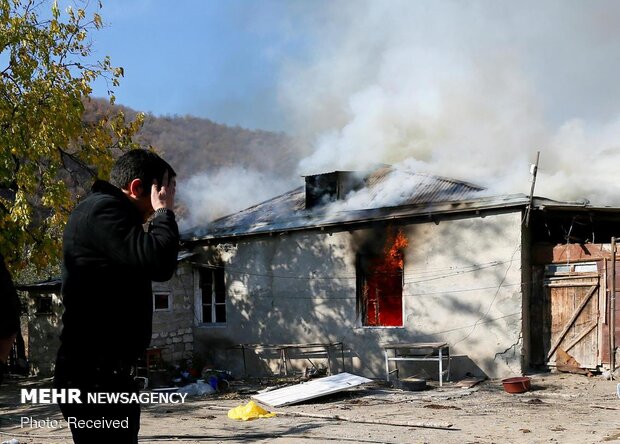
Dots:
(573, 321)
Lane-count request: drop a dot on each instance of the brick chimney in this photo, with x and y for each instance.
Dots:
(329, 187)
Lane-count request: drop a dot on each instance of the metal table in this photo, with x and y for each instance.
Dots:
(418, 351)
(284, 355)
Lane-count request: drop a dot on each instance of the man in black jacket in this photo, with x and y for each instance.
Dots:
(117, 241)
(9, 315)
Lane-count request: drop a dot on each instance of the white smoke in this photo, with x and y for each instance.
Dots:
(394, 189)
(469, 90)
(209, 196)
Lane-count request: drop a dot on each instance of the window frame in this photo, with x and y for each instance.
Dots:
(217, 273)
(361, 279)
(44, 304)
(169, 303)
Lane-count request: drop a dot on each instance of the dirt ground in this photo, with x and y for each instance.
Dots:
(559, 408)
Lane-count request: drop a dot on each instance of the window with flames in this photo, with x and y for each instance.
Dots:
(380, 282)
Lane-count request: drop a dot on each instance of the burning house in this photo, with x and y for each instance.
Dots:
(357, 260)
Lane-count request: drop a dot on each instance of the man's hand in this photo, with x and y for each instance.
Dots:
(162, 196)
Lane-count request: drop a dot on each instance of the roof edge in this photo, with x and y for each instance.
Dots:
(359, 217)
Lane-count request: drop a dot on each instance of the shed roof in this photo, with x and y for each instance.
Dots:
(48, 285)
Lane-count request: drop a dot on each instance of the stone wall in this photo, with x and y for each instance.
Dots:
(43, 335)
(172, 328)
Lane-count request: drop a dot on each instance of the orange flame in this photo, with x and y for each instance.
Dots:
(395, 252)
(383, 285)
(393, 259)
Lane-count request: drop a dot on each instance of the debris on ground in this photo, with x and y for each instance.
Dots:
(248, 412)
(310, 390)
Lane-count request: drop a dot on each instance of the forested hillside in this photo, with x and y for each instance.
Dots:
(195, 145)
(221, 169)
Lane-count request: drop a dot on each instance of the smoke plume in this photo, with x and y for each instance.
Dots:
(469, 90)
(212, 195)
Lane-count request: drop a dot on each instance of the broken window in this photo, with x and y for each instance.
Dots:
(212, 295)
(380, 282)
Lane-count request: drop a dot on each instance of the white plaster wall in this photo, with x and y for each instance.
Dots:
(283, 289)
(462, 285)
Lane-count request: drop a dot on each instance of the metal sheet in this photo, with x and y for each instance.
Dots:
(310, 390)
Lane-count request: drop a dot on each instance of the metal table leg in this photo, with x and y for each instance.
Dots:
(387, 366)
(440, 366)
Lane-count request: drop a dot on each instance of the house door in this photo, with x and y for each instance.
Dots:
(572, 327)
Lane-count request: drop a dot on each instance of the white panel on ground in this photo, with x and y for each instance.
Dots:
(309, 390)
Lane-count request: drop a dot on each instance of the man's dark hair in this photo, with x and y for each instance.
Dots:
(140, 164)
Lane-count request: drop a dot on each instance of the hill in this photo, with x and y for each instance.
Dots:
(196, 145)
(221, 169)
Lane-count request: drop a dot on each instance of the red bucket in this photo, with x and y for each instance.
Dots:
(518, 384)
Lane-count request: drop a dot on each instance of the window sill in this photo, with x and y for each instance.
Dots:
(378, 327)
(214, 325)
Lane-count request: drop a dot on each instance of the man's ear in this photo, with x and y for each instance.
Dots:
(135, 188)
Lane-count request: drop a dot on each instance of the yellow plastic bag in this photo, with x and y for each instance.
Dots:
(249, 411)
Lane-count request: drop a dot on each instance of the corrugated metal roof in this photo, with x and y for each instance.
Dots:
(388, 194)
(415, 188)
(257, 222)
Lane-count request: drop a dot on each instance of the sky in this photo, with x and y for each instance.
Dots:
(207, 58)
(466, 89)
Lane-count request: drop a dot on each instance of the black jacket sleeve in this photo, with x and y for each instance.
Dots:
(9, 303)
(153, 251)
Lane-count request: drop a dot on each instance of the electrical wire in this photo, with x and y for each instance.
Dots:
(410, 278)
(453, 271)
(488, 321)
(499, 287)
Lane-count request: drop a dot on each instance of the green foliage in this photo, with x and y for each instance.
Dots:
(47, 151)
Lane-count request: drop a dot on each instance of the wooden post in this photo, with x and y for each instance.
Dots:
(612, 309)
(529, 206)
